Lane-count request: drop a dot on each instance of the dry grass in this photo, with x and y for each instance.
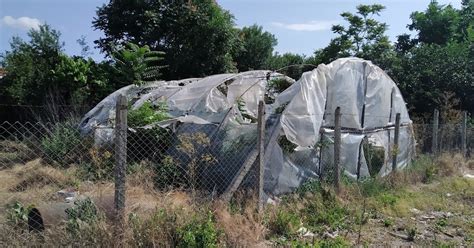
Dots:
(158, 216)
(244, 229)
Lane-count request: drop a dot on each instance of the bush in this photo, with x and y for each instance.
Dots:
(199, 233)
(169, 174)
(63, 145)
(17, 215)
(99, 167)
(284, 223)
(84, 213)
(147, 143)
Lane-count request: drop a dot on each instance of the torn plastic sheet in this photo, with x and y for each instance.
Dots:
(227, 103)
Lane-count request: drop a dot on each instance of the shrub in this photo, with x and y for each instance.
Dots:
(387, 199)
(17, 215)
(168, 174)
(63, 145)
(147, 143)
(99, 167)
(83, 213)
(284, 223)
(199, 233)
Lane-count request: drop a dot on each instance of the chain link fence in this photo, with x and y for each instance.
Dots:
(53, 177)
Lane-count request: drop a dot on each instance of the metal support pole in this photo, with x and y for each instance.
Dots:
(337, 148)
(395, 142)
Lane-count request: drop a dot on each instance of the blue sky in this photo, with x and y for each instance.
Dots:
(301, 26)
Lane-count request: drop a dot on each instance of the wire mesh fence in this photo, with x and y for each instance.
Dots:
(53, 169)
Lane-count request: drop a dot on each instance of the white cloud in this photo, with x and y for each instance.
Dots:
(25, 23)
(307, 26)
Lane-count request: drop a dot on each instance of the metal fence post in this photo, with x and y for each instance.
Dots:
(337, 148)
(464, 134)
(261, 152)
(120, 166)
(434, 143)
(395, 142)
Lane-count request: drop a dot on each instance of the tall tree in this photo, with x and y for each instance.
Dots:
(197, 36)
(256, 48)
(436, 25)
(30, 65)
(363, 37)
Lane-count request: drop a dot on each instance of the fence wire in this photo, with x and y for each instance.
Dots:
(52, 176)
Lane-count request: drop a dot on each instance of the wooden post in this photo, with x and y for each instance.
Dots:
(434, 143)
(337, 148)
(120, 167)
(395, 142)
(261, 153)
(464, 134)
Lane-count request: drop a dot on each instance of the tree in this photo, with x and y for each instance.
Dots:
(40, 73)
(256, 48)
(136, 65)
(30, 65)
(437, 25)
(290, 64)
(197, 36)
(430, 70)
(364, 37)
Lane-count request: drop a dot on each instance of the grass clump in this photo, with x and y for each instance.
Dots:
(284, 223)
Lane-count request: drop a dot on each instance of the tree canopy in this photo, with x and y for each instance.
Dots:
(197, 37)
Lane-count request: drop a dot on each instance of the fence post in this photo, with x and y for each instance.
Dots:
(337, 148)
(395, 142)
(434, 143)
(120, 167)
(464, 134)
(261, 152)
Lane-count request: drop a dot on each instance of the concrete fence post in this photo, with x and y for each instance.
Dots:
(261, 153)
(120, 167)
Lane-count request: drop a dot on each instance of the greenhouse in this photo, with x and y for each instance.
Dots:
(299, 122)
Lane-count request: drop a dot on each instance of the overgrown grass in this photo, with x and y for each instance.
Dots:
(312, 216)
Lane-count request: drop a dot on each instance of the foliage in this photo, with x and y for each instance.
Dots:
(39, 73)
(148, 143)
(285, 223)
(289, 64)
(63, 145)
(436, 25)
(155, 230)
(83, 213)
(135, 64)
(256, 47)
(169, 174)
(29, 66)
(364, 37)
(199, 233)
(147, 114)
(99, 167)
(17, 215)
(197, 37)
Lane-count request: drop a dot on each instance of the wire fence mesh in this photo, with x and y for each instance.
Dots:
(54, 169)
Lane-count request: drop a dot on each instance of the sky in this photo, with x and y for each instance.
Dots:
(301, 26)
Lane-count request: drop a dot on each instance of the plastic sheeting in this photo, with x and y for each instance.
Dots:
(368, 98)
